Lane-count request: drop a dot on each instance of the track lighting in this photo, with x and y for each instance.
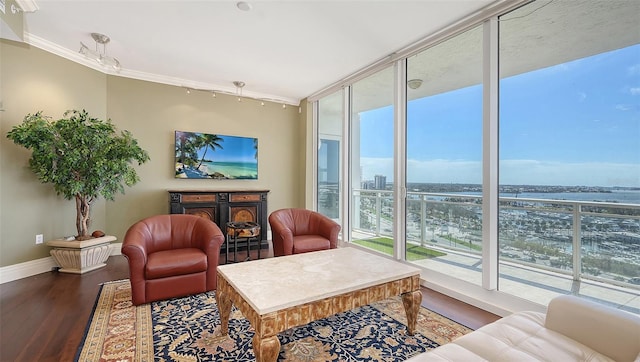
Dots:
(240, 97)
(239, 85)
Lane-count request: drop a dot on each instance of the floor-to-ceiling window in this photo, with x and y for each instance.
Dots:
(330, 116)
(569, 144)
(444, 157)
(554, 90)
(372, 155)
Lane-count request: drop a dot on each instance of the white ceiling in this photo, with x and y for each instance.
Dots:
(283, 50)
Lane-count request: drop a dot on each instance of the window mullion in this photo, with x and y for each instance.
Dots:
(399, 159)
(490, 156)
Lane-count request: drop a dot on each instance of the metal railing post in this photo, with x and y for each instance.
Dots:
(378, 212)
(423, 219)
(577, 241)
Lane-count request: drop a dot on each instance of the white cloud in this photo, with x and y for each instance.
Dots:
(623, 107)
(634, 69)
(635, 91)
(520, 172)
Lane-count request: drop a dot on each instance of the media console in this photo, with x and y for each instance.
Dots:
(223, 206)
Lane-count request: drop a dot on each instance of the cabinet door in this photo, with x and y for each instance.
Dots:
(243, 213)
(206, 211)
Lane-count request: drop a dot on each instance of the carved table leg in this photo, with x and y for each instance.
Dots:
(224, 306)
(266, 349)
(411, 302)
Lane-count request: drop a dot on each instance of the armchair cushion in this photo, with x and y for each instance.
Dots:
(307, 243)
(167, 263)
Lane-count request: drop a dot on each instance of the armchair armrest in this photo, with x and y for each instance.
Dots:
(135, 250)
(329, 229)
(282, 237)
(208, 237)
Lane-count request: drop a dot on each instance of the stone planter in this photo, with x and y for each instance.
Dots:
(79, 257)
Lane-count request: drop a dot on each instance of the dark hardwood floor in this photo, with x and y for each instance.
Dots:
(43, 317)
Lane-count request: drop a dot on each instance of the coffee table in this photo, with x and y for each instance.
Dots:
(279, 293)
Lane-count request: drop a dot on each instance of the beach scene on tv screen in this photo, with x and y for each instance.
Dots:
(214, 156)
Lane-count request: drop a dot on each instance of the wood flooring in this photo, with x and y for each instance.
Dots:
(43, 317)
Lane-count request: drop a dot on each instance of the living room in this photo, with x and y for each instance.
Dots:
(34, 79)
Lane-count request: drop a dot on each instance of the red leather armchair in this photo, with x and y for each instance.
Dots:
(296, 231)
(172, 256)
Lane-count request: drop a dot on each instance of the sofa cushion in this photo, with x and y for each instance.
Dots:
(174, 262)
(610, 331)
(518, 337)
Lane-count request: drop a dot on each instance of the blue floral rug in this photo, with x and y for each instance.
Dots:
(187, 329)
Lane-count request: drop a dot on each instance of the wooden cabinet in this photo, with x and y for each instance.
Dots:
(223, 206)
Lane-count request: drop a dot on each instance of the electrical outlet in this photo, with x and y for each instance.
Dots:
(39, 239)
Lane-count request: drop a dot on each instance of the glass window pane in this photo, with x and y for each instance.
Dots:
(330, 115)
(569, 146)
(444, 157)
(371, 157)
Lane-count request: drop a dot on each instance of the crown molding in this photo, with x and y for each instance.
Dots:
(28, 6)
(150, 77)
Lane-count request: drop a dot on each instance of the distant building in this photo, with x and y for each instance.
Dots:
(380, 182)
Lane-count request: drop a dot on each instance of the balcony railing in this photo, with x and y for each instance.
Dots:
(595, 240)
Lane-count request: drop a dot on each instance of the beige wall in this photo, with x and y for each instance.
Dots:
(33, 80)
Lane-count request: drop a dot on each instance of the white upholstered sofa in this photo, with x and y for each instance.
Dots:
(573, 329)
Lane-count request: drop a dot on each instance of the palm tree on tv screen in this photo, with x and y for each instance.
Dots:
(208, 141)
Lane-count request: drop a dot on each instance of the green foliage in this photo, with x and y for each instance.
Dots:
(83, 157)
(188, 144)
(385, 245)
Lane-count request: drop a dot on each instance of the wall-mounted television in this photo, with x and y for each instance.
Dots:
(215, 156)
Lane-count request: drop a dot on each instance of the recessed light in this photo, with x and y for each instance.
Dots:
(414, 83)
(244, 6)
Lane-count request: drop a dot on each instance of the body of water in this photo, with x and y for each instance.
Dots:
(618, 196)
(241, 170)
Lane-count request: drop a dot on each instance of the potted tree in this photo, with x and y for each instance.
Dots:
(82, 156)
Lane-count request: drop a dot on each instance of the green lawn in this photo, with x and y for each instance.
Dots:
(385, 245)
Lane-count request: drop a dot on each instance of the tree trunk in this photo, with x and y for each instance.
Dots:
(83, 208)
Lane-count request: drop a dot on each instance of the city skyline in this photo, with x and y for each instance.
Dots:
(575, 123)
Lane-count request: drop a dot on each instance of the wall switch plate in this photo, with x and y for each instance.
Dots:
(39, 239)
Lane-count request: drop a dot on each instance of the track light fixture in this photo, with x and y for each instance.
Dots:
(239, 85)
(100, 57)
(238, 94)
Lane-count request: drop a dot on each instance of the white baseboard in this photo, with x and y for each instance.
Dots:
(26, 269)
(115, 249)
(39, 266)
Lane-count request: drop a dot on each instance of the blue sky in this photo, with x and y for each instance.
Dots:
(235, 149)
(576, 123)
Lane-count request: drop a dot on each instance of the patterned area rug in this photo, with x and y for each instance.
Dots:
(187, 329)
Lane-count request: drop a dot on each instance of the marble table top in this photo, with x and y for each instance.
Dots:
(273, 284)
